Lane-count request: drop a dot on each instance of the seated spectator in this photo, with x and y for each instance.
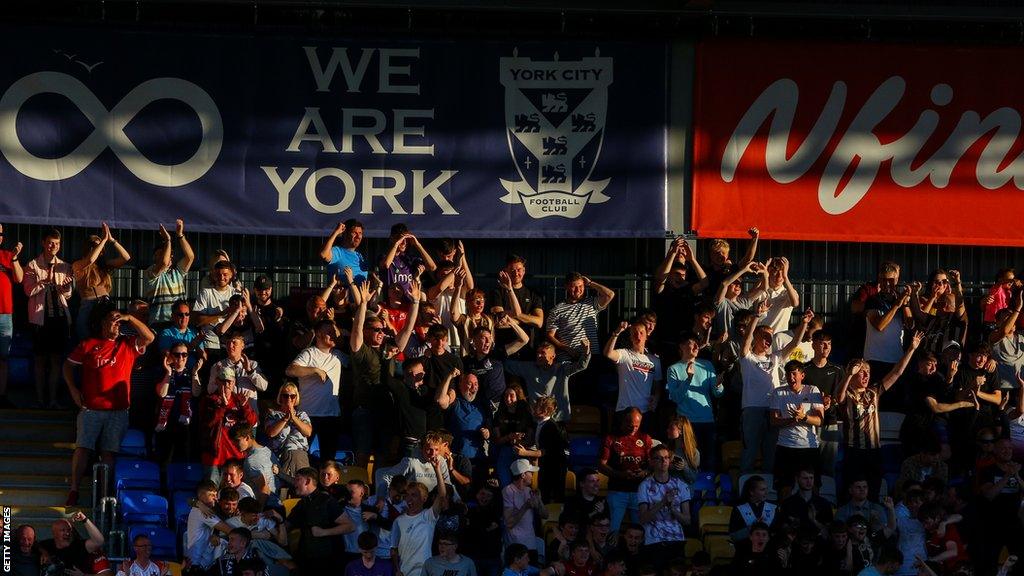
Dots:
(25, 555)
(142, 565)
(165, 279)
(837, 554)
(330, 481)
(587, 502)
(858, 402)
(925, 464)
(220, 412)
(322, 521)
(691, 384)
(599, 537)
(550, 447)
(521, 505)
(368, 563)
(448, 561)
(630, 548)
(517, 560)
(289, 430)
(176, 392)
(889, 561)
(753, 555)
(753, 508)
(623, 459)
(579, 563)
(236, 551)
(557, 548)
(946, 550)
(664, 510)
(805, 508)
(859, 505)
(639, 372)
(413, 531)
(258, 464)
(806, 555)
(68, 551)
(203, 524)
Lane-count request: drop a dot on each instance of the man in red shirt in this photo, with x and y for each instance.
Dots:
(221, 411)
(10, 273)
(106, 366)
(623, 460)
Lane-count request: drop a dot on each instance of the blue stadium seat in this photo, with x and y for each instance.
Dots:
(137, 475)
(344, 456)
(184, 476)
(584, 452)
(704, 487)
(165, 542)
(892, 458)
(182, 502)
(726, 493)
(142, 507)
(134, 443)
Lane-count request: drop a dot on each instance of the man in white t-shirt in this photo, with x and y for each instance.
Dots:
(760, 369)
(779, 294)
(797, 412)
(212, 306)
(202, 521)
(318, 369)
(639, 371)
(664, 502)
(413, 532)
(142, 565)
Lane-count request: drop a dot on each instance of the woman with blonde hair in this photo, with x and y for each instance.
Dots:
(288, 431)
(92, 277)
(683, 443)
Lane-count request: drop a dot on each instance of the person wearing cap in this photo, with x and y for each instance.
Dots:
(337, 258)
(105, 364)
(270, 342)
(165, 279)
(521, 504)
(221, 411)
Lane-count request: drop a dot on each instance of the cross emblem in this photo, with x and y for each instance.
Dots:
(528, 163)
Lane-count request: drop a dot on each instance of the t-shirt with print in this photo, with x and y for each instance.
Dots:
(106, 371)
(626, 453)
(1008, 501)
(438, 566)
(664, 527)
(320, 398)
(289, 438)
(760, 377)
(413, 535)
(637, 375)
(402, 271)
(785, 400)
(780, 309)
(212, 301)
(154, 568)
(162, 291)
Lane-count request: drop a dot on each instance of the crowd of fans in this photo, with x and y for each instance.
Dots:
(459, 399)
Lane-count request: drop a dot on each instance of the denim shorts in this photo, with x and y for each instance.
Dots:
(6, 335)
(105, 427)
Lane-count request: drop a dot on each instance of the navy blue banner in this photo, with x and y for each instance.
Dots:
(288, 136)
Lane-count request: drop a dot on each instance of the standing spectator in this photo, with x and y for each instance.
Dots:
(888, 562)
(142, 565)
(1000, 485)
(486, 361)
(545, 376)
(202, 526)
(322, 520)
(1008, 345)
(420, 408)
(753, 509)
(237, 553)
(550, 447)
(241, 319)
(760, 370)
(623, 460)
(468, 422)
(798, 411)
(888, 314)
(664, 510)
(587, 502)
(640, 377)
(421, 469)
(779, 294)
(368, 564)
(344, 256)
(686, 456)
(675, 294)
(888, 276)
(517, 560)
(180, 331)
(691, 385)
(826, 377)
(70, 552)
(448, 561)
(220, 412)
(106, 365)
(92, 277)
(212, 307)
(722, 266)
(858, 402)
(859, 505)
(911, 533)
(999, 296)
(10, 273)
(531, 304)
(371, 366)
(575, 319)
(730, 298)
(399, 267)
(974, 383)
(522, 504)
(512, 423)
(579, 562)
(176, 392)
(165, 279)
(941, 313)
(48, 285)
(258, 464)
(249, 378)
(289, 430)
(318, 370)
(413, 532)
(270, 343)
(484, 528)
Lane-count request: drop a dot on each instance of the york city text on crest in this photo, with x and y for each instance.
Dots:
(555, 121)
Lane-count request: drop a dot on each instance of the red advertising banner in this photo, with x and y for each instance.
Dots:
(859, 142)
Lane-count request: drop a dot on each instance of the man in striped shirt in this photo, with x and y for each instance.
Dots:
(576, 318)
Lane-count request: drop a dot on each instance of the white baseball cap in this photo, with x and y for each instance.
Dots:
(523, 465)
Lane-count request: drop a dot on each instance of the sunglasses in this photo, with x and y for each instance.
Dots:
(374, 329)
(182, 314)
(419, 376)
(289, 396)
(179, 354)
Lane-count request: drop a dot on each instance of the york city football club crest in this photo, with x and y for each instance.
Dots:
(555, 118)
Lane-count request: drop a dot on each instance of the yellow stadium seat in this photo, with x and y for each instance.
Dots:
(714, 519)
(720, 549)
(289, 504)
(570, 483)
(603, 491)
(585, 421)
(174, 568)
(731, 452)
(692, 547)
(554, 511)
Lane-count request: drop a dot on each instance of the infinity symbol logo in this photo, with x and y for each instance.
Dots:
(109, 129)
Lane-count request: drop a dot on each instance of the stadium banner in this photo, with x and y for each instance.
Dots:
(864, 143)
(283, 135)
